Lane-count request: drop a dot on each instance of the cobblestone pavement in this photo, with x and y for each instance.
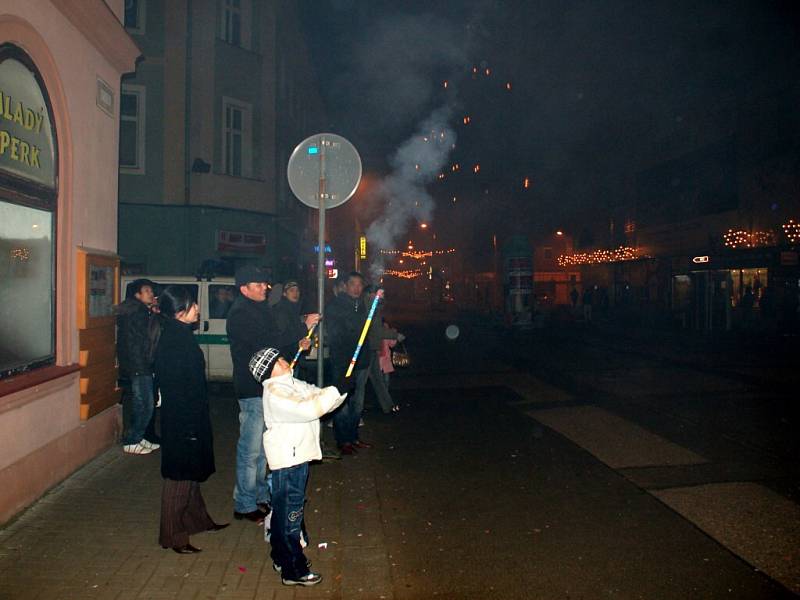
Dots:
(464, 496)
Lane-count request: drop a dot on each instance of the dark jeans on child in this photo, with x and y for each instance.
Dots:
(288, 499)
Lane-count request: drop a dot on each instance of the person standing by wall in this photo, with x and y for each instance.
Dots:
(250, 327)
(187, 454)
(135, 365)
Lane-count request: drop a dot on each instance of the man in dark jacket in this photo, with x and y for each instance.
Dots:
(288, 318)
(344, 319)
(136, 365)
(250, 327)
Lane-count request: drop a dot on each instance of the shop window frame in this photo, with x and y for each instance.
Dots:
(19, 191)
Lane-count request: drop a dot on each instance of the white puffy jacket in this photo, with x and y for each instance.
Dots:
(292, 410)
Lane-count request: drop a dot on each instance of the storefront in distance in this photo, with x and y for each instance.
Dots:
(60, 68)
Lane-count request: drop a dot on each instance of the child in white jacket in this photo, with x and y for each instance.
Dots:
(292, 410)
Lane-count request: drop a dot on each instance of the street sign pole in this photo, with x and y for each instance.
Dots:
(324, 172)
(321, 273)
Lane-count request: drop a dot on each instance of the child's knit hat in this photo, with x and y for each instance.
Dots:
(262, 363)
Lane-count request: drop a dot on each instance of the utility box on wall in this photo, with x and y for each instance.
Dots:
(98, 294)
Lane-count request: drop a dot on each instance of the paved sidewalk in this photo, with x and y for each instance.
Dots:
(96, 535)
(463, 497)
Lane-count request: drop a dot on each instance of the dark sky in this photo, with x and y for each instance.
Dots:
(595, 84)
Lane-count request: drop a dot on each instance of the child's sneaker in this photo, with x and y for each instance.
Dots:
(277, 568)
(307, 580)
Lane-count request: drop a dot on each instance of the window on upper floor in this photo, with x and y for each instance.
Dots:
(547, 251)
(237, 119)
(131, 129)
(235, 22)
(134, 16)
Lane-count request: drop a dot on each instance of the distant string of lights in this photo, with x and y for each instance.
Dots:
(740, 238)
(620, 254)
(418, 254)
(406, 274)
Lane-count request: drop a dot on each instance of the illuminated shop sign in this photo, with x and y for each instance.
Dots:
(26, 134)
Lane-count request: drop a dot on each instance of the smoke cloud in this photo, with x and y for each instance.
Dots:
(416, 163)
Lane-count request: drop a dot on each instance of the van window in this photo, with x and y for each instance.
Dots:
(192, 288)
(220, 299)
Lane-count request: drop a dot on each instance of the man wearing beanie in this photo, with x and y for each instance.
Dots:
(292, 410)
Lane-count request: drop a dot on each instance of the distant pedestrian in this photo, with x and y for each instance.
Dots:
(747, 304)
(385, 362)
(345, 316)
(292, 410)
(136, 367)
(377, 335)
(586, 301)
(187, 455)
(573, 297)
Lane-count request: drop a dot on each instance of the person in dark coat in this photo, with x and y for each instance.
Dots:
(187, 447)
(289, 321)
(250, 327)
(345, 316)
(136, 368)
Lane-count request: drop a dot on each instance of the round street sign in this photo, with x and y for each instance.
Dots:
(328, 156)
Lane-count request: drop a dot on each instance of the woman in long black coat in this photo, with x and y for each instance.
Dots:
(187, 446)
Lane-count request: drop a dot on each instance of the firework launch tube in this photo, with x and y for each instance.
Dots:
(300, 349)
(378, 296)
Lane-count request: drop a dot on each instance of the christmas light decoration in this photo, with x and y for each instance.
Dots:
(417, 254)
(20, 254)
(792, 231)
(408, 274)
(748, 239)
(598, 256)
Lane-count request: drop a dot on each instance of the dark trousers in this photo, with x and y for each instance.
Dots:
(138, 408)
(288, 500)
(183, 513)
(346, 417)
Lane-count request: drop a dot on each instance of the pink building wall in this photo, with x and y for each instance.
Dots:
(72, 43)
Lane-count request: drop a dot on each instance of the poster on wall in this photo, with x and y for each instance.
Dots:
(101, 290)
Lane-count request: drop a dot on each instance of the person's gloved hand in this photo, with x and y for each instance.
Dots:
(346, 384)
(401, 337)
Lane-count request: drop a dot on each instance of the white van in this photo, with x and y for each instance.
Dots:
(214, 297)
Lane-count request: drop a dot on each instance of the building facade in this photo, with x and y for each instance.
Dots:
(60, 67)
(224, 93)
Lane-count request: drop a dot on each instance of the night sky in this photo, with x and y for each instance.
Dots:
(594, 87)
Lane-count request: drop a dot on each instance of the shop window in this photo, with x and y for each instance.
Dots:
(236, 138)
(748, 280)
(26, 287)
(134, 16)
(132, 129)
(28, 194)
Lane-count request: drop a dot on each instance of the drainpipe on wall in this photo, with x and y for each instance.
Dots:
(187, 150)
